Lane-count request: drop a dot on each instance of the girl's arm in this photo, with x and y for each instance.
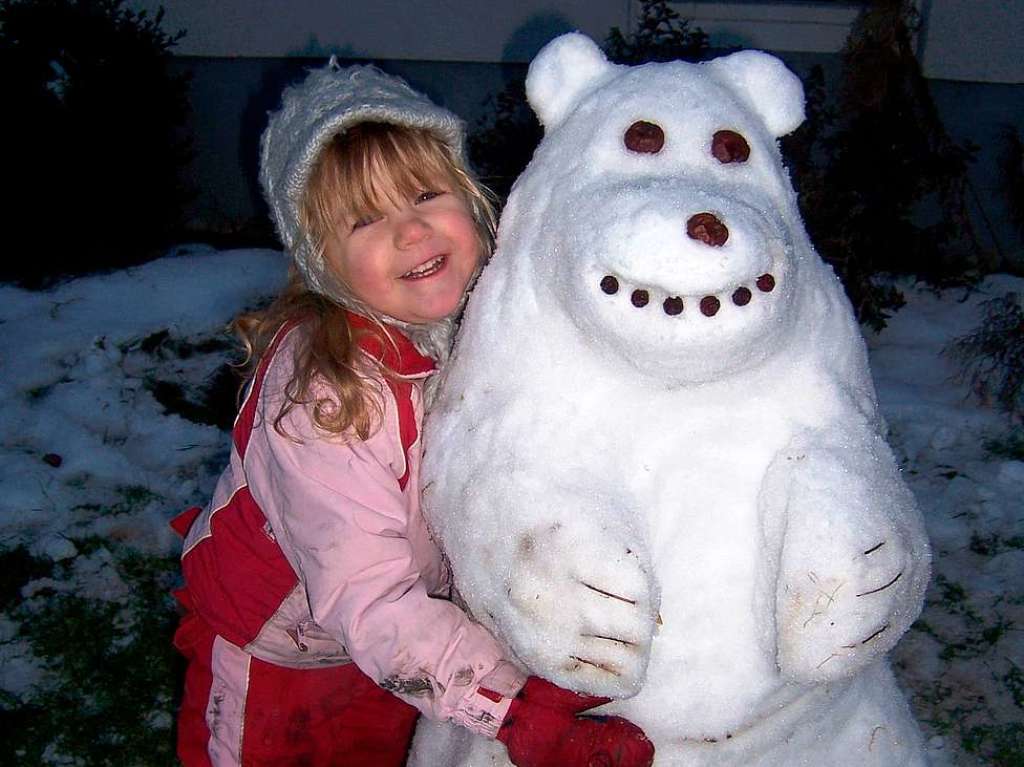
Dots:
(357, 542)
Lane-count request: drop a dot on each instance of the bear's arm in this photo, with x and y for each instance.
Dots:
(560, 574)
(847, 556)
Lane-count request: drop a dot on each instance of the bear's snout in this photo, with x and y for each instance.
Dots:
(707, 228)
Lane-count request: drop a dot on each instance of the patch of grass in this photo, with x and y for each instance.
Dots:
(993, 633)
(1001, 745)
(991, 545)
(951, 594)
(134, 496)
(214, 400)
(154, 341)
(976, 640)
(18, 567)
(968, 719)
(162, 344)
(1009, 445)
(924, 627)
(131, 498)
(214, 404)
(974, 634)
(947, 471)
(89, 544)
(991, 357)
(117, 673)
(1013, 680)
(37, 393)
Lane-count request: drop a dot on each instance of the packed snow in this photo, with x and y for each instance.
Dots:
(77, 377)
(657, 462)
(87, 449)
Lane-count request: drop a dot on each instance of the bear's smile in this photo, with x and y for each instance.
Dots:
(673, 305)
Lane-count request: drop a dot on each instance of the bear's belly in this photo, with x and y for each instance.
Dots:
(712, 659)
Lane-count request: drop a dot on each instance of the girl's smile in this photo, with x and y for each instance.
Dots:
(411, 260)
(433, 266)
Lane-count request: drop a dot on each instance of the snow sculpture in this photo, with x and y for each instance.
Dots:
(656, 460)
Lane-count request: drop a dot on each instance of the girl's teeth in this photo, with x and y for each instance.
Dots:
(431, 266)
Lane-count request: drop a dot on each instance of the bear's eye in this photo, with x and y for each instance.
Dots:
(644, 138)
(729, 146)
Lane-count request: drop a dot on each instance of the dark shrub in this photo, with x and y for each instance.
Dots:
(92, 142)
(883, 187)
(1011, 175)
(991, 356)
(502, 144)
(661, 35)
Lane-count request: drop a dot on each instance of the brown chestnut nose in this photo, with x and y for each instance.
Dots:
(707, 228)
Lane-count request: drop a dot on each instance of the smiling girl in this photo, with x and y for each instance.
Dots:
(318, 623)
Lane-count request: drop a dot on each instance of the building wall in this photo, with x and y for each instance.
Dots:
(973, 40)
(981, 114)
(241, 53)
(419, 30)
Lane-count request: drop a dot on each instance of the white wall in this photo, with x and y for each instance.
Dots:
(977, 40)
(961, 39)
(246, 49)
(777, 26)
(474, 30)
(432, 30)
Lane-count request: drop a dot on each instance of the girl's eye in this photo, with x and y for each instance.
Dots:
(425, 196)
(359, 223)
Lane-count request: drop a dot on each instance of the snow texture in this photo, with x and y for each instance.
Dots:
(656, 461)
(76, 388)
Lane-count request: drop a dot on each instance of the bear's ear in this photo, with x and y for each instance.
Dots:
(766, 85)
(560, 75)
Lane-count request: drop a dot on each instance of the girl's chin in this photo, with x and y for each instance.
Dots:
(424, 315)
(437, 307)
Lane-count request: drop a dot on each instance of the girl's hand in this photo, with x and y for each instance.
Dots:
(542, 729)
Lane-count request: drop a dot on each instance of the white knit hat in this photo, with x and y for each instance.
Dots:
(326, 103)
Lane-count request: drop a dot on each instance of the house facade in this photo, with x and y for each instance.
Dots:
(240, 53)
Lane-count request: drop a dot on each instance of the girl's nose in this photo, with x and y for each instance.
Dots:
(410, 229)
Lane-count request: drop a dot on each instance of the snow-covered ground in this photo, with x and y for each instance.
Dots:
(90, 451)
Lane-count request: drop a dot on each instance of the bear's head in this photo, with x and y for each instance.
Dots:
(656, 214)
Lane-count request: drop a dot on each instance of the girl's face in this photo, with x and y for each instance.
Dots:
(413, 259)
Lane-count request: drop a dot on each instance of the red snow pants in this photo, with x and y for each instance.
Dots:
(323, 717)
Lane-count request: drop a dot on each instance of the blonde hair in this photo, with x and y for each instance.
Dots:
(352, 178)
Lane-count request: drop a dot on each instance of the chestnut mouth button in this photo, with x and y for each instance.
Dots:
(741, 296)
(766, 283)
(672, 305)
(709, 306)
(610, 285)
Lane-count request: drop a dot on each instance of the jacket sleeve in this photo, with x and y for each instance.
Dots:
(342, 521)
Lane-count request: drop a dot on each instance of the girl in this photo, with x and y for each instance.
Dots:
(317, 625)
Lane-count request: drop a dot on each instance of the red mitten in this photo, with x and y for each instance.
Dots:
(542, 729)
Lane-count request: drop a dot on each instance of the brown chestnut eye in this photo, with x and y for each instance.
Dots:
(644, 138)
(729, 146)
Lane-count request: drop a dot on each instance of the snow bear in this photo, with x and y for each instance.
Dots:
(656, 460)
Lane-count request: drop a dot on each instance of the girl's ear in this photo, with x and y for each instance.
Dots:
(764, 84)
(564, 71)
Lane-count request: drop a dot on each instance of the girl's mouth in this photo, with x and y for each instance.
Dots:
(433, 266)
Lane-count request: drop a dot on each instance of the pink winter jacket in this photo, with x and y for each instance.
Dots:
(314, 552)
